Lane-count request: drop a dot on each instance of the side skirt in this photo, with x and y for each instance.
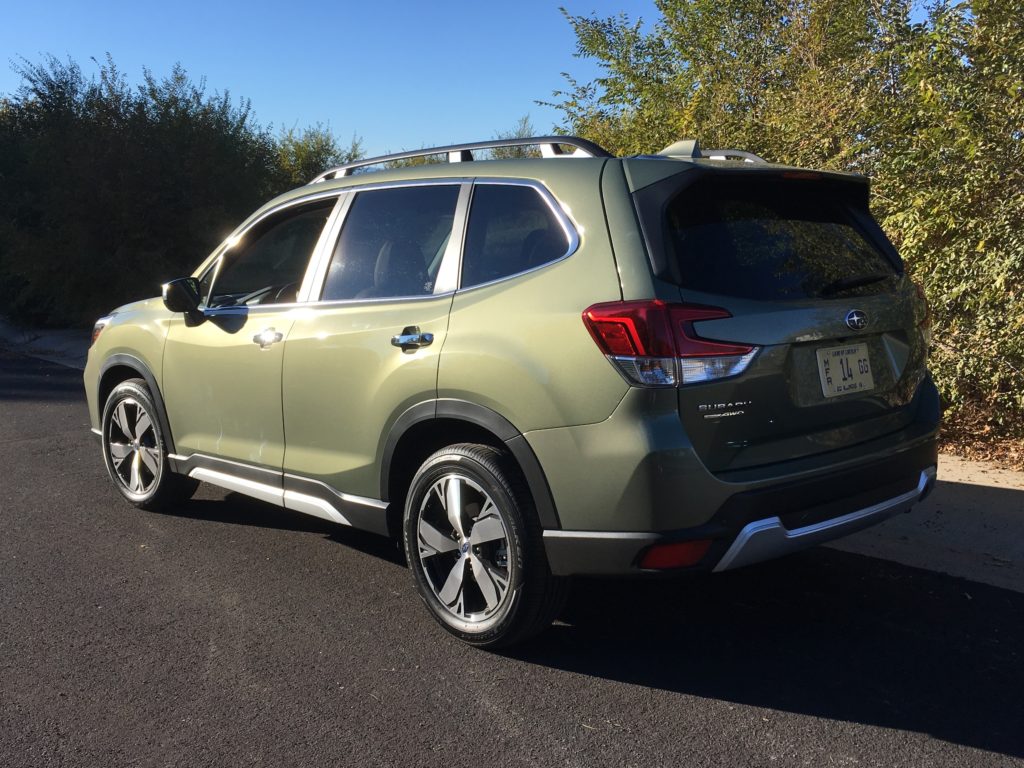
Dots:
(294, 492)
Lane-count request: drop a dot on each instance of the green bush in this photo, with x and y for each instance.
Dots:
(932, 111)
(107, 190)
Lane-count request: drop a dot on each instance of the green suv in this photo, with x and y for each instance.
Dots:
(527, 369)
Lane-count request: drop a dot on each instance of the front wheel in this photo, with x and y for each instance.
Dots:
(134, 450)
(475, 549)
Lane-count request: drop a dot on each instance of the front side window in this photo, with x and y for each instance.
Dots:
(268, 264)
(511, 229)
(392, 243)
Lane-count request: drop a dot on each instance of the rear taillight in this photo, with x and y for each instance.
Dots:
(654, 343)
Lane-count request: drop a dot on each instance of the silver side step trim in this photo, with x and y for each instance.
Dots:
(311, 505)
(261, 491)
(315, 498)
(769, 538)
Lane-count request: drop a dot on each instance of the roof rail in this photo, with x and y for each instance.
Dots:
(690, 150)
(550, 146)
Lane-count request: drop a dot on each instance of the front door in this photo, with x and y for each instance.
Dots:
(222, 376)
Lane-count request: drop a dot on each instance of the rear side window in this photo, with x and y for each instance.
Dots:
(774, 239)
(392, 242)
(511, 229)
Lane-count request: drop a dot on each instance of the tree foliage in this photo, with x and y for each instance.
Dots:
(108, 189)
(932, 111)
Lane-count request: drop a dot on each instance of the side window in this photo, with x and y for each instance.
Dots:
(511, 229)
(392, 243)
(268, 265)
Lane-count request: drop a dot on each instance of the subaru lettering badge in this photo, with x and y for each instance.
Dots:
(857, 320)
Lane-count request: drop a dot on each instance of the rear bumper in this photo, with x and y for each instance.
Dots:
(772, 521)
(769, 538)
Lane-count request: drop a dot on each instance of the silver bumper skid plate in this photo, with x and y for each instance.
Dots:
(769, 538)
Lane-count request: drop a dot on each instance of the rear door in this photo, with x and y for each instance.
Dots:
(367, 348)
(807, 277)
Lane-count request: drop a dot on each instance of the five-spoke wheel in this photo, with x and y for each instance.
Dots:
(134, 450)
(474, 545)
(463, 548)
(132, 446)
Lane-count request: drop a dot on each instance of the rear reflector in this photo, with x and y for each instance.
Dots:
(654, 344)
(678, 554)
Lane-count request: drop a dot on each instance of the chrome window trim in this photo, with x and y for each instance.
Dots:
(568, 226)
(241, 232)
(319, 273)
(320, 278)
(449, 272)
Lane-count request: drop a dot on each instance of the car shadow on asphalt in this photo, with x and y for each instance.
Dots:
(237, 509)
(823, 633)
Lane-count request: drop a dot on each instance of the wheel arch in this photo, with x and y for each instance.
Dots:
(430, 425)
(119, 368)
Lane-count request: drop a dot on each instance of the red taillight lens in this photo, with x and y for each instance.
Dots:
(678, 554)
(638, 328)
(654, 343)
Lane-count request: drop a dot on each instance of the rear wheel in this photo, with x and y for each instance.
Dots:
(474, 545)
(135, 452)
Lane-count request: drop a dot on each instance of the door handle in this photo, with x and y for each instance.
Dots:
(410, 338)
(266, 337)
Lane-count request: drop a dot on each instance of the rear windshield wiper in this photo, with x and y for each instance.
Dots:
(853, 282)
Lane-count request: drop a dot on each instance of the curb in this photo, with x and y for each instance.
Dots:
(68, 347)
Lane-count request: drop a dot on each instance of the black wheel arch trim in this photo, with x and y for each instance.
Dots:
(121, 360)
(493, 422)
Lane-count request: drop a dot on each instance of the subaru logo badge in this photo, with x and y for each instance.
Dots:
(857, 320)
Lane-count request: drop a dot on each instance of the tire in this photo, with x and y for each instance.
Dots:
(482, 573)
(135, 452)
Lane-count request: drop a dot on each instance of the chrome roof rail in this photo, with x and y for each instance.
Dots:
(550, 146)
(689, 149)
(732, 154)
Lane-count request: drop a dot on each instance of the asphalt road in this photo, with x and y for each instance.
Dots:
(234, 633)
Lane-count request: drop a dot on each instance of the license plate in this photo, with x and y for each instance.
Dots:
(845, 370)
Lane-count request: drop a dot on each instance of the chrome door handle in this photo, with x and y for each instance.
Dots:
(410, 338)
(266, 337)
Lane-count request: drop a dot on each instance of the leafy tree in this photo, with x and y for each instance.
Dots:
(304, 154)
(106, 189)
(523, 130)
(932, 111)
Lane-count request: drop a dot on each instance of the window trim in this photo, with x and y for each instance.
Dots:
(449, 280)
(569, 227)
(453, 251)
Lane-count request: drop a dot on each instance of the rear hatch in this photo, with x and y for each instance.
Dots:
(808, 281)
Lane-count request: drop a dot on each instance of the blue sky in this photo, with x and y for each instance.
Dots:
(399, 74)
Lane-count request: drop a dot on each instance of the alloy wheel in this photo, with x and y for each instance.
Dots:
(133, 448)
(463, 548)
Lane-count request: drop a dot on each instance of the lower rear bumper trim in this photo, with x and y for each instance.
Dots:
(769, 538)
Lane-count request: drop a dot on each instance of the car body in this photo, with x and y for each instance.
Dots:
(650, 361)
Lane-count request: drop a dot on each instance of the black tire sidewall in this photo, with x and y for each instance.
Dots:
(136, 390)
(455, 460)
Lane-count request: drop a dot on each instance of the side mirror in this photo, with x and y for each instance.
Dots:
(182, 295)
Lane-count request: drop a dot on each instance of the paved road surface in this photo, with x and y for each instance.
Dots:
(234, 633)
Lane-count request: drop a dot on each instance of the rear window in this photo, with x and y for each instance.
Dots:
(774, 239)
